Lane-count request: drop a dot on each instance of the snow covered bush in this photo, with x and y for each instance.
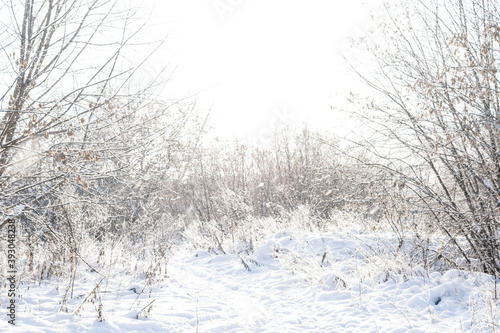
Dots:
(434, 118)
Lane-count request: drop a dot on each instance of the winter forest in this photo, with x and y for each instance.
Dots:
(123, 208)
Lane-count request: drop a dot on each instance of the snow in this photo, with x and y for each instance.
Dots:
(488, 184)
(17, 210)
(292, 282)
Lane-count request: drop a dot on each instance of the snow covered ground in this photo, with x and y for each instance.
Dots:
(293, 282)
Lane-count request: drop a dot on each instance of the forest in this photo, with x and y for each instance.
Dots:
(112, 193)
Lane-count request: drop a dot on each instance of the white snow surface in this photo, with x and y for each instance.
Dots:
(292, 283)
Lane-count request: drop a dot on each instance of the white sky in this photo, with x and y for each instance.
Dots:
(255, 60)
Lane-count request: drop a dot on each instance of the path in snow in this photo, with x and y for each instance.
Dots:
(292, 287)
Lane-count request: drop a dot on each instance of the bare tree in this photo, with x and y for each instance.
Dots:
(87, 144)
(436, 121)
(65, 82)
